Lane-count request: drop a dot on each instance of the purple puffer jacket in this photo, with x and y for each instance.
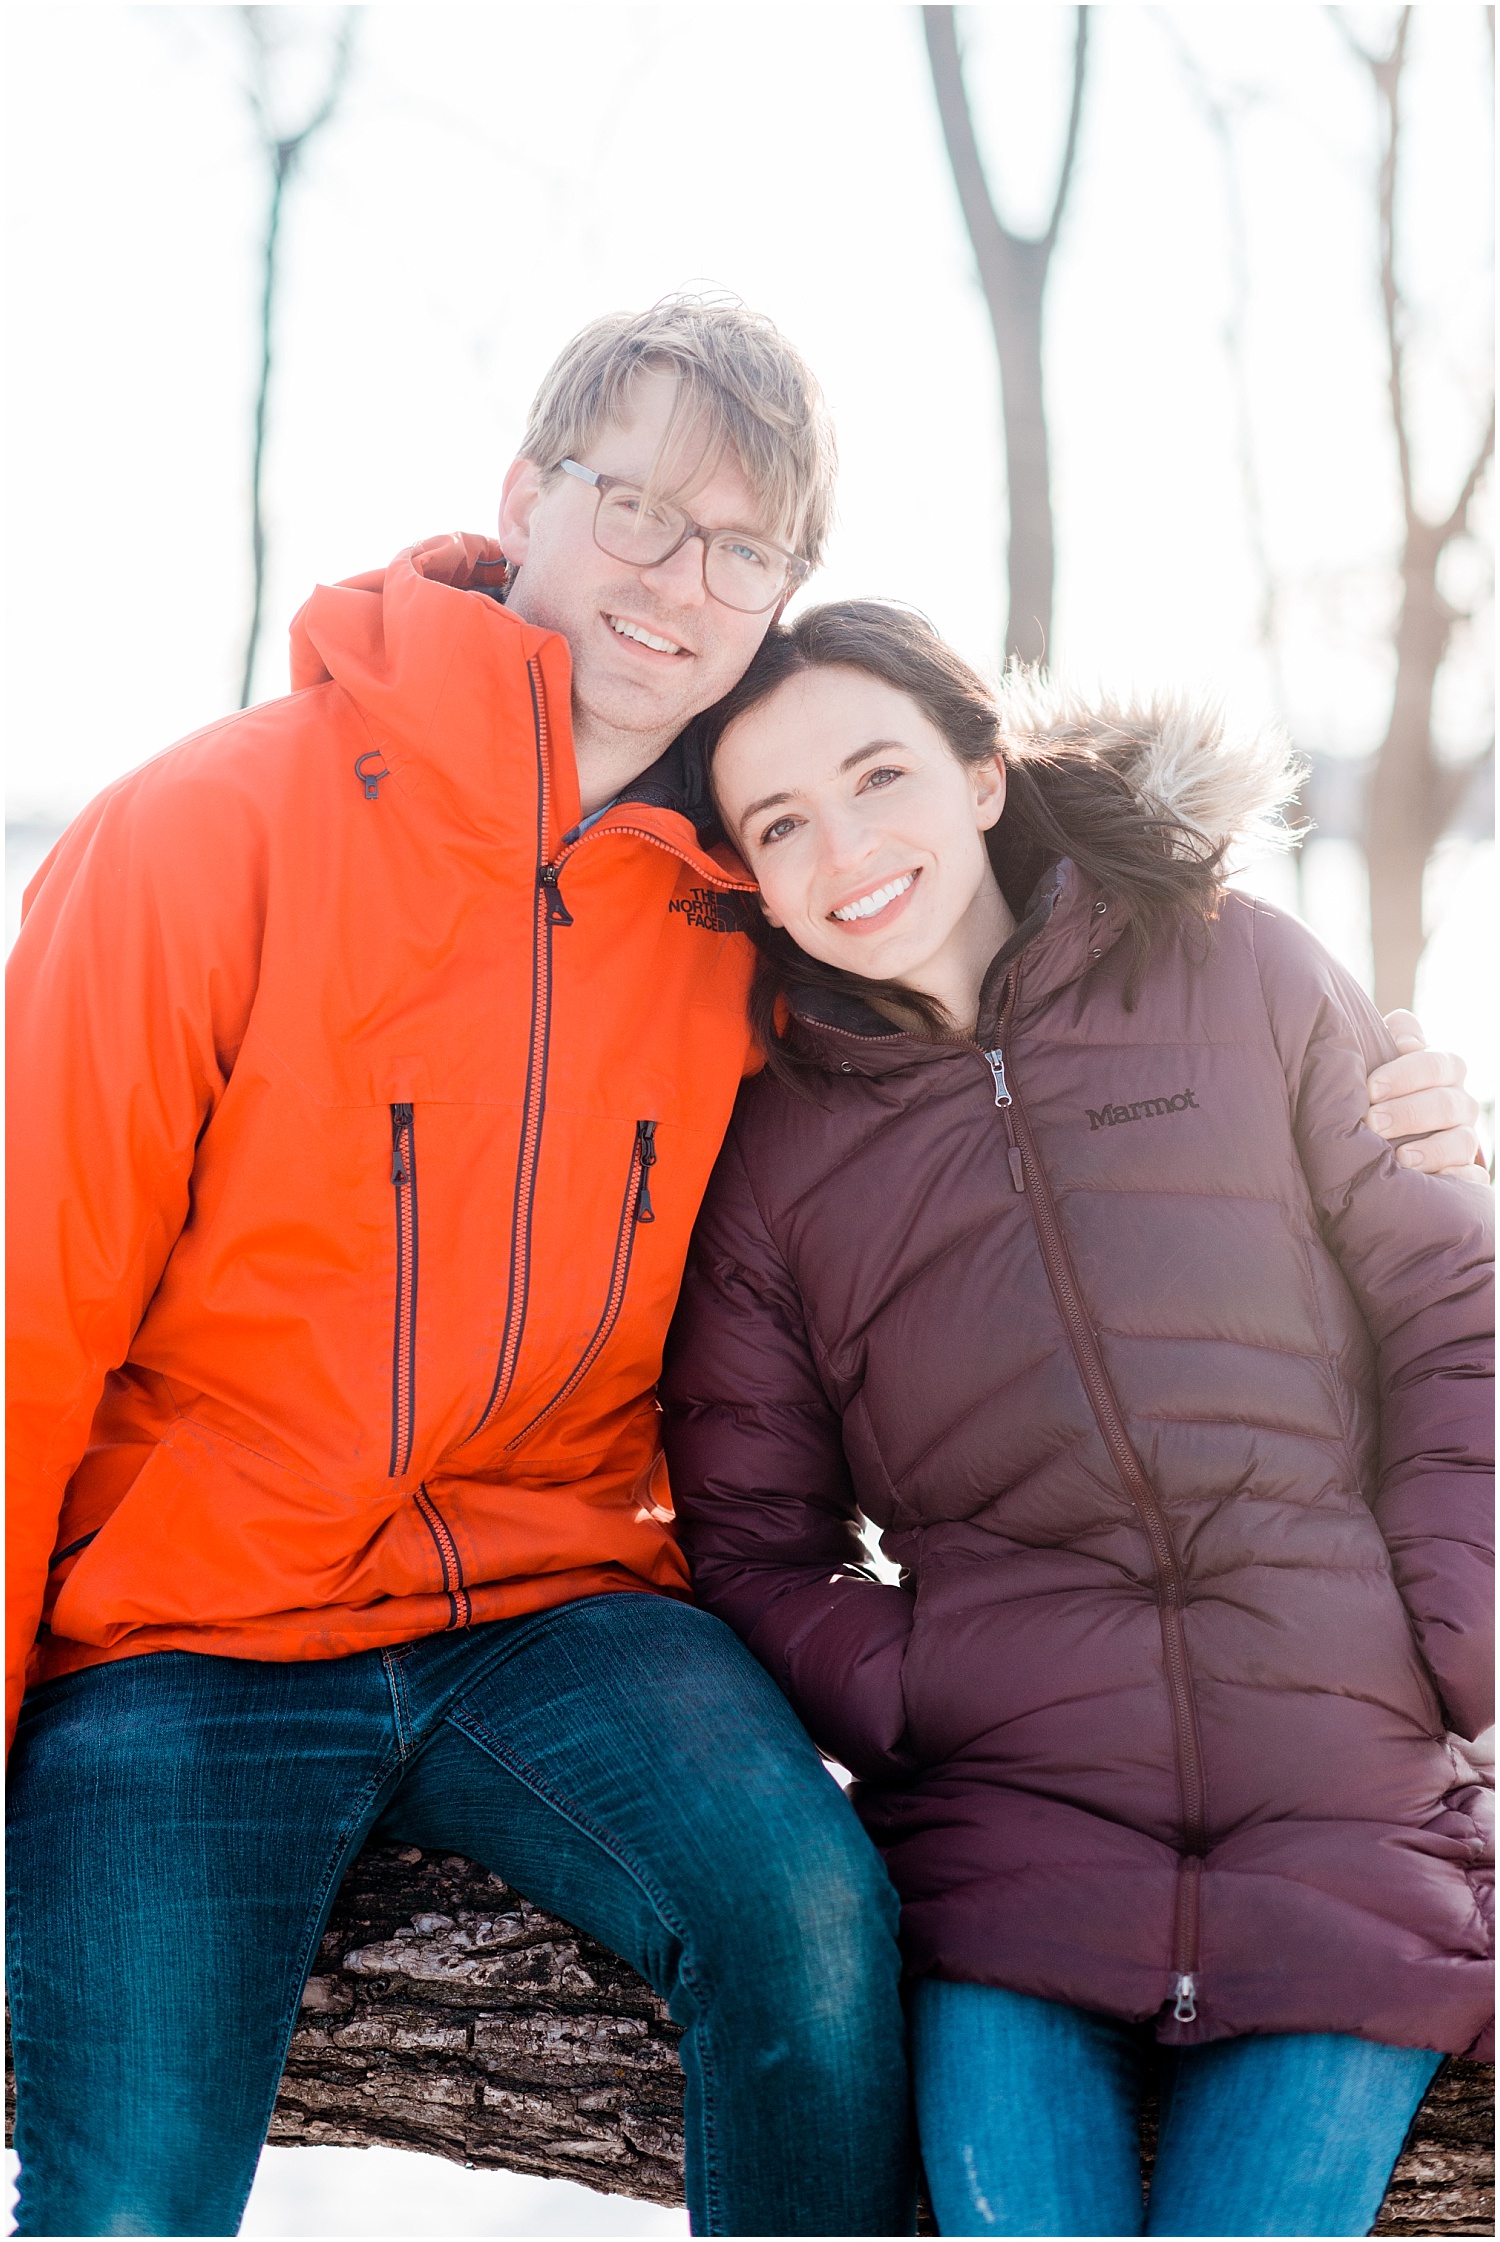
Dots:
(1169, 1391)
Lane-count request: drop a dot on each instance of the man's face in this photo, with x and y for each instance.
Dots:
(621, 683)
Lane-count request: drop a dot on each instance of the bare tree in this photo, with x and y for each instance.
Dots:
(1013, 271)
(1413, 793)
(283, 151)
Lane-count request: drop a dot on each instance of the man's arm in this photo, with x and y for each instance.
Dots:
(127, 994)
(1420, 1094)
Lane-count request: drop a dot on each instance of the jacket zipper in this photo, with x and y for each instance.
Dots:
(404, 1343)
(550, 911)
(1027, 1168)
(460, 1609)
(635, 1209)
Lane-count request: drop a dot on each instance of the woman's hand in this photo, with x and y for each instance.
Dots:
(1421, 1094)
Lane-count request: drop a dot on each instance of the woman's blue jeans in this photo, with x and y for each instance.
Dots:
(1029, 2119)
(179, 1826)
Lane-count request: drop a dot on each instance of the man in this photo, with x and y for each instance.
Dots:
(371, 1053)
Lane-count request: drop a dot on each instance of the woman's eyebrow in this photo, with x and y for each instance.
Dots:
(766, 802)
(863, 754)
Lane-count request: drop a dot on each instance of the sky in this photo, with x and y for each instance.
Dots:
(497, 175)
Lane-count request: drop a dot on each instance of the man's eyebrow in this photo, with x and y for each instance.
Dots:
(850, 763)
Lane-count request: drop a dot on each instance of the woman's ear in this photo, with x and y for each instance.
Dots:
(989, 790)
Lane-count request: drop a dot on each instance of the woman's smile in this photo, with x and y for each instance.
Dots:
(876, 907)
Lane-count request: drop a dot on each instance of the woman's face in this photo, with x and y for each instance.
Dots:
(865, 830)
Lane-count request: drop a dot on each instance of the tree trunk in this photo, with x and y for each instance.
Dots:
(1013, 275)
(1015, 307)
(1411, 793)
(447, 2014)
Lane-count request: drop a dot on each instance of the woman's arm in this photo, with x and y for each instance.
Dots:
(1417, 1252)
(765, 1508)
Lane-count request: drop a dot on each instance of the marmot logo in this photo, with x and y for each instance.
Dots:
(1143, 1109)
(706, 907)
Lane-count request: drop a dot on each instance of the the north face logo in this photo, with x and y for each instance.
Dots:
(1110, 1116)
(708, 908)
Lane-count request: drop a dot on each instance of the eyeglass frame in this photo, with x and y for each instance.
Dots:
(797, 569)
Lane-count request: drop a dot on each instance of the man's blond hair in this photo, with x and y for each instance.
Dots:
(740, 385)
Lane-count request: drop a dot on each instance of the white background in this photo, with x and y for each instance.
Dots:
(499, 174)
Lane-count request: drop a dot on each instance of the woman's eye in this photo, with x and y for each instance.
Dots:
(882, 775)
(778, 831)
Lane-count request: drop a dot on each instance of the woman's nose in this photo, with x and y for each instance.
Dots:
(847, 841)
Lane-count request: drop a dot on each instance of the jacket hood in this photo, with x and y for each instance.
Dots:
(429, 672)
(1181, 757)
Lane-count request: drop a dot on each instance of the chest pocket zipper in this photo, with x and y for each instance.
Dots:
(635, 1209)
(404, 1341)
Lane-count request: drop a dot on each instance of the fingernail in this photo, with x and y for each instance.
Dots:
(1410, 1156)
(1381, 1120)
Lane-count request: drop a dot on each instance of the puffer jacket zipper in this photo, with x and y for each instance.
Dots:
(404, 1343)
(460, 1609)
(636, 1209)
(1031, 1176)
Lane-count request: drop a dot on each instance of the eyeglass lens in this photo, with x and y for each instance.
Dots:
(736, 569)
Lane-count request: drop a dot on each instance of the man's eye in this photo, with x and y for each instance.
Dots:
(778, 831)
(752, 556)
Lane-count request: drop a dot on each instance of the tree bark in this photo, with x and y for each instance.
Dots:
(446, 2014)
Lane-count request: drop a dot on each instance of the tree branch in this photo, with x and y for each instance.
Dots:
(1075, 111)
(1458, 519)
(940, 28)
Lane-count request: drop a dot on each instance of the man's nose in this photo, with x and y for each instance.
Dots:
(679, 577)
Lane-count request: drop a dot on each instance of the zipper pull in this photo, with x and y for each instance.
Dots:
(558, 913)
(645, 1147)
(995, 1061)
(1186, 2009)
(400, 1124)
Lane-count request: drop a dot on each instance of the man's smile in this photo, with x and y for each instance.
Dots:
(638, 634)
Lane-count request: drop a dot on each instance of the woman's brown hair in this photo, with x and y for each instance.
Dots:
(1074, 788)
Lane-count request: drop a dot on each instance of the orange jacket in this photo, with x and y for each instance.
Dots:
(359, 1118)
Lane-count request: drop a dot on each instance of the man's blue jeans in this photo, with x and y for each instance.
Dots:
(179, 1826)
(1029, 2118)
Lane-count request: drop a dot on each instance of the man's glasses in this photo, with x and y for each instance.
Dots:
(745, 572)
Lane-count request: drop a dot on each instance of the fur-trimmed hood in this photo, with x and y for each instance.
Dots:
(1182, 757)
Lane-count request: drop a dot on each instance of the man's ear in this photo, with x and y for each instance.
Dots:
(520, 494)
(989, 790)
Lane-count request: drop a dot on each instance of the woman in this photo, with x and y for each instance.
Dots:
(1052, 1241)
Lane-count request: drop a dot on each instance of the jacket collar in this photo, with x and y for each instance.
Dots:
(442, 679)
(1069, 926)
